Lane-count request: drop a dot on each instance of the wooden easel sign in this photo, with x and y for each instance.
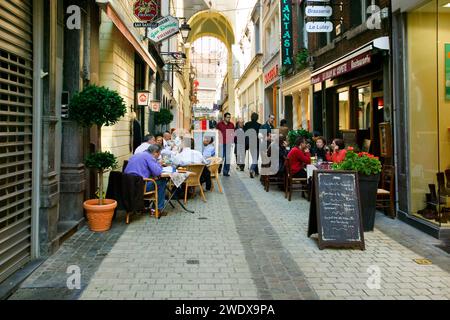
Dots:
(335, 211)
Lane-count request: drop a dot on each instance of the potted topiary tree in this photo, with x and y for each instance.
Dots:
(294, 134)
(368, 167)
(98, 106)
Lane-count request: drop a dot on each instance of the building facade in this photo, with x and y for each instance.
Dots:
(351, 76)
(421, 45)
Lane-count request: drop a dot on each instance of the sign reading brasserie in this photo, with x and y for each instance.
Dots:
(345, 67)
(286, 32)
(146, 11)
(167, 27)
(447, 71)
(320, 12)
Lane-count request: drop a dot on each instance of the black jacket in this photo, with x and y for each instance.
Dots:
(127, 190)
(255, 126)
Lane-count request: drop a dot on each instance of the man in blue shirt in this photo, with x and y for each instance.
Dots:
(146, 165)
(208, 147)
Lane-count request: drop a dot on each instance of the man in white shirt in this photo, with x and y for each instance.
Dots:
(148, 140)
(188, 156)
(208, 147)
(166, 140)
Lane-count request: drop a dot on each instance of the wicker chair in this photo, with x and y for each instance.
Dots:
(294, 184)
(194, 180)
(213, 167)
(151, 196)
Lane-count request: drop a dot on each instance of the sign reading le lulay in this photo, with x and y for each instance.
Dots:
(167, 27)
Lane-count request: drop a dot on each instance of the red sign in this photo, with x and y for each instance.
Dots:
(345, 67)
(272, 74)
(143, 98)
(146, 10)
(155, 106)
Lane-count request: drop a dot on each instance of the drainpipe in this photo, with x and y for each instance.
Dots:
(37, 125)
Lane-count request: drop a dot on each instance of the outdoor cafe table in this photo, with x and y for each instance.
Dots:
(311, 167)
(174, 189)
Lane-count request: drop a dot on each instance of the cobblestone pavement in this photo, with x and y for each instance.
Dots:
(244, 244)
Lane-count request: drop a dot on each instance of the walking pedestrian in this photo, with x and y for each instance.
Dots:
(253, 144)
(226, 129)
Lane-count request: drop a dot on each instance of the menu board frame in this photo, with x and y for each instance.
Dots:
(315, 221)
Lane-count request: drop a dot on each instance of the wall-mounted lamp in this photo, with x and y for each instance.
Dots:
(185, 29)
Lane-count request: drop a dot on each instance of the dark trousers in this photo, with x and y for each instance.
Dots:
(206, 178)
(161, 191)
(226, 155)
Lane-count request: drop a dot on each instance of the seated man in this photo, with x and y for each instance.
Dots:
(208, 147)
(148, 140)
(145, 164)
(188, 156)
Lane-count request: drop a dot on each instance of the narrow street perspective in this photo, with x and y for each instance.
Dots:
(194, 150)
(254, 247)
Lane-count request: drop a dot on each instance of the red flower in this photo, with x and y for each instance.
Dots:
(350, 149)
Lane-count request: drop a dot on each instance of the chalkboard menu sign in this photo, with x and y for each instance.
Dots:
(335, 212)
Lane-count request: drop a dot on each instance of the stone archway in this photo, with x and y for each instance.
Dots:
(214, 24)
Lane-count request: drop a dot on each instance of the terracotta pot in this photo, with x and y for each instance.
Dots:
(100, 217)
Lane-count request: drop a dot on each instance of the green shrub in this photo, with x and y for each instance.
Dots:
(294, 134)
(164, 116)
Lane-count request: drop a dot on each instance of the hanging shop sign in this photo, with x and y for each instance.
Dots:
(344, 67)
(320, 26)
(286, 32)
(447, 71)
(143, 97)
(167, 27)
(146, 11)
(318, 11)
(155, 106)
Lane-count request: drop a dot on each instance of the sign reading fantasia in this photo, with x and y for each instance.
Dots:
(286, 32)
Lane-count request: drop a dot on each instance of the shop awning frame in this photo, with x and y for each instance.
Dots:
(381, 43)
(132, 38)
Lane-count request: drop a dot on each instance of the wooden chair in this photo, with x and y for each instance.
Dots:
(294, 184)
(366, 145)
(194, 180)
(386, 192)
(213, 167)
(275, 179)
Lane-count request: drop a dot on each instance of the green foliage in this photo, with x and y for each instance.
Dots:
(164, 116)
(294, 134)
(101, 161)
(301, 58)
(96, 106)
(363, 162)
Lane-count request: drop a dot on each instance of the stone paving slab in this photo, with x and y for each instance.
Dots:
(244, 244)
(344, 273)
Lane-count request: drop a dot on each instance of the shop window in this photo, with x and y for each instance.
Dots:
(363, 108)
(344, 111)
(357, 13)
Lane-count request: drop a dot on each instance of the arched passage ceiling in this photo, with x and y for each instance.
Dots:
(211, 23)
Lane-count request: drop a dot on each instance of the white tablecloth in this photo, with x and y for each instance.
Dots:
(310, 169)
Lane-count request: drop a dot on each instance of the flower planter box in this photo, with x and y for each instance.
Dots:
(368, 186)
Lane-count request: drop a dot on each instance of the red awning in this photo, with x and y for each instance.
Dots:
(112, 14)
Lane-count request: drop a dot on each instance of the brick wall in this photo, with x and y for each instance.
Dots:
(349, 39)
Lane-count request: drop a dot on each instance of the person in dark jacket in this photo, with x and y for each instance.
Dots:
(239, 151)
(320, 150)
(254, 125)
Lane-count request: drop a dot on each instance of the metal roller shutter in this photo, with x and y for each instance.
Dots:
(16, 78)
